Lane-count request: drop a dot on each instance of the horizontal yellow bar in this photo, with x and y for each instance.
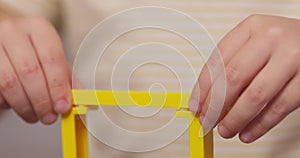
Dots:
(130, 98)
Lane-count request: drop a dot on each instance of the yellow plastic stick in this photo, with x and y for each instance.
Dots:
(81, 137)
(74, 133)
(200, 147)
(130, 98)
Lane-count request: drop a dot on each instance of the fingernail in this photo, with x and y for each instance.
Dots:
(246, 137)
(61, 106)
(224, 132)
(49, 118)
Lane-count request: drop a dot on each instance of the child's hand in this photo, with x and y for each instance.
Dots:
(262, 61)
(34, 74)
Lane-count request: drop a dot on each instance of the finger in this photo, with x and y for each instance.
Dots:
(54, 64)
(3, 103)
(262, 89)
(286, 102)
(28, 69)
(12, 91)
(4, 106)
(239, 72)
(225, 50)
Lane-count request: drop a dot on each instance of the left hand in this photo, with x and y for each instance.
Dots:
(262, 64)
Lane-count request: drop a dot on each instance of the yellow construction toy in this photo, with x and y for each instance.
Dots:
(74, 132)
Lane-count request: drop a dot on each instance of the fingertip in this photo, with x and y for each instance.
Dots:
(62, 106)
(49, 118)
(31, 120)
(224, 132)
(246, 137)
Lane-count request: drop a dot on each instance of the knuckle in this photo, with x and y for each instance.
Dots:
(255, 94)
(254, 19)
(29, 69)
(274, 32)
(51, 59)
(8, 82)
(41, 23)
(292, 55)
(54, 55)
(261, 127)
(7, 24)
(279, 111)
(232, 75)
(7, 28)
(39, 20)
(214, 60)
(58, 89)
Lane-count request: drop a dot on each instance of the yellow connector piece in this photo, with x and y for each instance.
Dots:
(74, 132)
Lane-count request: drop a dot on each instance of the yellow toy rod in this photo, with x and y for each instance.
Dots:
(74, 132)
(130, 98)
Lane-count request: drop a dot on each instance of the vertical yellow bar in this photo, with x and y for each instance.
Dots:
(196, 142)
(69, 135)
(200, 147)
(81, 137)
(74, 134)
(209, 145)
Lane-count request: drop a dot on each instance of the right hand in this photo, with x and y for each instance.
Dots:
(34, 74)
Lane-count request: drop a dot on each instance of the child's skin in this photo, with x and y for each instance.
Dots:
(262, 63)
(34, 74)
(261, 56)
